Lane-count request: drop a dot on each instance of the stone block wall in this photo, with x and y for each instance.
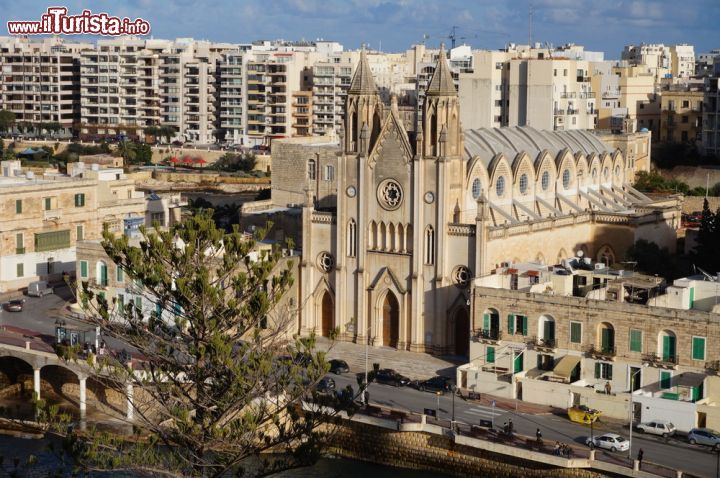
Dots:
(433, 453)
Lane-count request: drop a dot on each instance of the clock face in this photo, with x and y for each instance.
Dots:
(429, 197)
(351, 191)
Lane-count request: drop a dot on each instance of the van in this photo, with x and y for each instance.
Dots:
(39, 288)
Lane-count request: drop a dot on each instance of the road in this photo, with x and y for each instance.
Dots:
(675, 453)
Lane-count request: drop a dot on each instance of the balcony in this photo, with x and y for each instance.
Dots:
(601, 353)
(543, 345)
(660, 361)
(52, 215)
(484, 336)
(559, 112)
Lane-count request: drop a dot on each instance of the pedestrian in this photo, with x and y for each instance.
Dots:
(538, 435)
(505, 428)
(608, 388)
(556, 451)
(640, 457)
(510, 426)
(569, 452)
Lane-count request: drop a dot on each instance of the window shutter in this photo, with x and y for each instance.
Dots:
(524, 325)
(83, 269)
(575, 332)
(18, 206)
(609, 371)
(698, 348)
(511, 325)
(635, 340)
(597, 369)
(490, 355)
(486, 321)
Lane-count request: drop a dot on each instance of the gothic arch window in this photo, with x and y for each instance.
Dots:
(433, 135)
(523, 184)
(382, 240)
(352, 238)
(372, 235)
(392, 243)
(566, 179)
(429, 246)
(400, 246)
(311, 169)
(500, 186)
(545, 180)
(476, 188)
(408, 238)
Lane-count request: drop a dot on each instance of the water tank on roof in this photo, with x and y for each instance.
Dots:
(644, 130)
(30, 175)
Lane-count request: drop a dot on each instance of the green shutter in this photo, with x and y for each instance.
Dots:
(635, 340)
(665, 379)
(490, 354)
(18, 206)
(80, 233)
(20, 269)
(575, 332)
(486, 322)
(119, 274)
(608, 340)
(79, 200)
(511, 324)
(698, 348)
(518, 363)
(103, 275)
(83, 269)
(138, 303)
(668, 348)
(50, 241)
(597, 370)
(549, 330)
(48, 203)
(692, 296)
(524, 325)
(121, 300)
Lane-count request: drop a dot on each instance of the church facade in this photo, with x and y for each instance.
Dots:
(397, 221)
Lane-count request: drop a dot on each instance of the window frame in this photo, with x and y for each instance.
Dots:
(638, 340)
(704, 347)
(580, 325)
(83, 269)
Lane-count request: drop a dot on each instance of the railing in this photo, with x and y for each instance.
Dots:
(542, 343)
(52, 214)
(485, 334)
(658, 360)
(601, 352)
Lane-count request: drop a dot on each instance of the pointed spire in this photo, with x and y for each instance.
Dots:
(441, 83)
(363, 82)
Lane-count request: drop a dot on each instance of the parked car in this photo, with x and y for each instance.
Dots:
(609, 441)
(435, 384)
(15, 305)
(339, 366)
(704, 436)
(664, 428)
(39, 288)
(389, 376)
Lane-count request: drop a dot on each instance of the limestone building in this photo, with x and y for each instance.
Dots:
(396, 224)
(681, 114)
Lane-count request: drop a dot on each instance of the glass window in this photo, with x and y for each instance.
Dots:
(603, 370)
(606, 173)
(80, 232)
(698, 348)
(476, 188)
(635, 340)
(329, 172)
(47, 204)
(79, 200)
(500, 186)
(575, 332)
(18, 206)
(566, 178)
(545, 180)
(311, 169)
(20, 270)
(119, 274)
(594, 173)
(523, 184)
(83, 269)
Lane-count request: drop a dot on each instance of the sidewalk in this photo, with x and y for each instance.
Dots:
(415, 366)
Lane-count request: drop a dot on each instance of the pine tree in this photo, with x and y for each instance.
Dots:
(219, 382)
(708, 247)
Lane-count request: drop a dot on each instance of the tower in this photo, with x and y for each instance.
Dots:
(441, 115)
(363, 108)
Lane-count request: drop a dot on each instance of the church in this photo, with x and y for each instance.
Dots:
(398, 217)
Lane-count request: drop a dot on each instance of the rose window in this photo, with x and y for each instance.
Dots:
(390, 194)
(325, 261)
(461, 276)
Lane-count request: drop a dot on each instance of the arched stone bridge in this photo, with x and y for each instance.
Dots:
(31, 350)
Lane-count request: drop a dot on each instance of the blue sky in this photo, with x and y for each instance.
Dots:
(605, 25)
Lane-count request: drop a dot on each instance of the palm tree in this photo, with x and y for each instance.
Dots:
(127, 151)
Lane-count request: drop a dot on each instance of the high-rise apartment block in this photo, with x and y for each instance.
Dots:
(673, 61)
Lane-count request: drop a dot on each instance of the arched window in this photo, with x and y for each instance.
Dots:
(566, 178)
(429, 246)
(617, 171)
(545, 180)
(476, 188)
(329, 172)
(500, 186)
(606, 172)
(523, 184)
(311, 170)
(594, 173)
(352, 238)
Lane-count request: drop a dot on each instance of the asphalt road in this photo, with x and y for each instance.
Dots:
(675, 453)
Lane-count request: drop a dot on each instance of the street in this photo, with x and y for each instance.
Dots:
(675, 453)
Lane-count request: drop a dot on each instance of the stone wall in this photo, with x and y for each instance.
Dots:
(438, 453)
(207, 178)
(695, 203)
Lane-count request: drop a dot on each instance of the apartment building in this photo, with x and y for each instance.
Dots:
(606, 86)
(331, 81)
(231, 93)
(711, 114)
(682, 61)
(43, 217)
(657, 58)
(302, 113)
(582, 334)
(704, 64)
(638, 93)
(119, 89)
(39, 83)
(681, 114)
(523, 86)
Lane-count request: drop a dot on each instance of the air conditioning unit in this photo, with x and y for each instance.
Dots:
(599, 265)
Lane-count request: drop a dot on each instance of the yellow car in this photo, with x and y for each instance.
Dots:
(583, 414)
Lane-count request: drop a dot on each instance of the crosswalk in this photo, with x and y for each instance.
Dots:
(484, 412)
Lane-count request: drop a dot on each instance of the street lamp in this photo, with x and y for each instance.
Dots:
(453, 389)
(365, 385)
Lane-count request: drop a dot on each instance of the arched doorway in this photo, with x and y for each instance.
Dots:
(462, 332)
(327, 312)
(391, 320)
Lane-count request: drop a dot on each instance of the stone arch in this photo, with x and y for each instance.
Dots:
(60, 381)
(605, 337)
(408, 238)
(372, 235)
(539, 257)
(565, 162)
(390, 319)
(490, 325)
(382, 239)
(523, 166)
(461, 326)
(14, 370)
(327, 314)
(595, 168)
(606, 254)
(606, 169)
(667, 346)
(546, 329)
(476, 170)
(582, 170)
(618, 173)
(544, 163)
(500, 167)
(562, 254)
(392, 238)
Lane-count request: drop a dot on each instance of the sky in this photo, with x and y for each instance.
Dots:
(394, 25)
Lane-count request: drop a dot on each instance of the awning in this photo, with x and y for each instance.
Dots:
(566, 365)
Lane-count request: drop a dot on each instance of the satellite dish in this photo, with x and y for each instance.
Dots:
(580, 253)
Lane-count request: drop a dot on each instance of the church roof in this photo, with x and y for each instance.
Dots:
(441, 83)
(363, 82)
(486, 143)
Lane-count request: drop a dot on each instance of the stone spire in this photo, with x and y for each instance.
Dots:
(363, 82)
(441, 83)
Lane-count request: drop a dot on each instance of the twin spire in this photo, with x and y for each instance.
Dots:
(441, 83)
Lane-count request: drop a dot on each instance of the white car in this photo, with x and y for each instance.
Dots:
(664, 428)
(609, 441)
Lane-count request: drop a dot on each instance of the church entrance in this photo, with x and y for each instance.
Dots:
(327, 315)
(462, 332)
(391, 320)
